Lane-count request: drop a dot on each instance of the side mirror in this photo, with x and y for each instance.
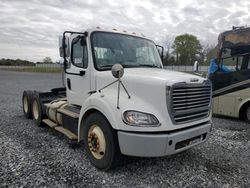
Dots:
(117, 70)
(196, 66)
(160, 50)
(62, 45)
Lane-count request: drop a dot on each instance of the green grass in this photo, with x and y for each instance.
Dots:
(37, 69)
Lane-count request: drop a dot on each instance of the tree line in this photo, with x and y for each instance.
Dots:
(185, 50)
(20, 62)
(15, 62)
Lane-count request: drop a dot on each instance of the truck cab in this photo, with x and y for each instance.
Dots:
(120, 101)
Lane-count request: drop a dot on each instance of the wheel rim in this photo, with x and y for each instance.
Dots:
(96, 142)
(25, 104)
(35, 110)
(248, 113)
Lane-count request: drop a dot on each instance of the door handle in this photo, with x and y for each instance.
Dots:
(69, 83)
(82, 72)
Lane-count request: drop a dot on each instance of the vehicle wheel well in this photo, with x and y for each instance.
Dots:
(86, 114)
(243, 109)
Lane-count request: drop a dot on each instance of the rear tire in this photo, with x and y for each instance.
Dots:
(26, 101)
(37, 111)
(100, 142)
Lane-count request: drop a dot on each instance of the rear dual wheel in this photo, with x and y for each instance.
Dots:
(37, 111)
(32, 107)
(27, 100)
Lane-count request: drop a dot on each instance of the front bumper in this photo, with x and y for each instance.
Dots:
(156, 144)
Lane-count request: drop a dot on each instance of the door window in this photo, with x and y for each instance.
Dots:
(79, 53)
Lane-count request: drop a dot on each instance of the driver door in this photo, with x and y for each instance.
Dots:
(78, 86)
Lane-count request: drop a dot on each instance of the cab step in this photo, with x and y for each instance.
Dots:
(68, 113)
(50, 123)
(60, 129)
(66, 132)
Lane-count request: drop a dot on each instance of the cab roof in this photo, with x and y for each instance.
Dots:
(114, 30)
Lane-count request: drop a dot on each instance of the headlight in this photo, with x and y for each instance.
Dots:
(140, 119)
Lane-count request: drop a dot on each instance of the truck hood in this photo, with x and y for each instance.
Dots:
(147, 88)
(159, 75)
(146, 79)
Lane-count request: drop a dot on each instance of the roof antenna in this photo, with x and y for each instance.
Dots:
(117, 71)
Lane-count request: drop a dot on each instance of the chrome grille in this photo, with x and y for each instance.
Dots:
(189, 102)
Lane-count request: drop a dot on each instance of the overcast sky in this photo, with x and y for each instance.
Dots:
(29, 29)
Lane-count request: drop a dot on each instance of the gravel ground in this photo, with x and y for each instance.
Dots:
(31, 156)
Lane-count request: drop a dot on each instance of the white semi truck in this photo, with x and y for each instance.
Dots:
(119, 100)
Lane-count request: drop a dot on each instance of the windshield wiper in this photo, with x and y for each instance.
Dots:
(148, 65)
(129, 66)
(110, 65)
(106, 66)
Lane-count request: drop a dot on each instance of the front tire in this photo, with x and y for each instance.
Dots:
(100, 142)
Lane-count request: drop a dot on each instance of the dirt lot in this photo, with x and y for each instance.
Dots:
(31, 156)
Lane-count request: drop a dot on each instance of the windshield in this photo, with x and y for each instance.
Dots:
(130, 51)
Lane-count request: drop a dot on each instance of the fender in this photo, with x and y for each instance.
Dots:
(98, 103)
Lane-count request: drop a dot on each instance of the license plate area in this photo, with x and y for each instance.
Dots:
(191, 141)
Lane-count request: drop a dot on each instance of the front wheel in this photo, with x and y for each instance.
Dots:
(100, 142)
